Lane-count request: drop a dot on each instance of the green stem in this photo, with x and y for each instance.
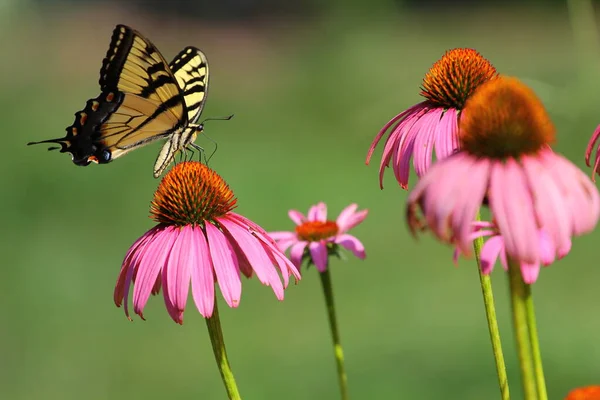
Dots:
(492, 321)
(540, 381)
(335, 335)
(519, 296)
(218, 344)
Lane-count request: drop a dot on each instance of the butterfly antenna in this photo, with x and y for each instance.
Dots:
(207, 159)
(227, 118)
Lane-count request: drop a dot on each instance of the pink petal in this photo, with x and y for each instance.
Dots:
(225, 265)
(296, 253)
(405, 147)
(297, 217)
(547, 249)
(152, 262)
(550, 207)
(136, 248)
(270, 245)
(446, 139)
(513, 211)
(353, 244)
(424, 141)
(203, 283)
(384, 130)
(318, 253)
(530, 272)
(284, 239)
(580, 194)
(588, 152)
(177, 272)
(348, 218)
(255, 253)
(318, 212)
(490, 252)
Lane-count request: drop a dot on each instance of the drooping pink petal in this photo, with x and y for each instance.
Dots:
(255, 253)
(151, 263)
(490, 252)
(177, 272)
(579, 193)
(440, 196)
(203, 283)
(530, 272)
(470, 197)
(351, 243)
(405, 148)
(389, 149)
(297, 217)
(547, 249)
(446, 139)
(283, 235)
(128, 267)
(286, 267)
(385, 128)
(588, 153)
(348, 218)
(424, 141)
(175, 313)
(225, 265)
(296, 253)
(550, 208)
(513, 211)
(284, 239)
(318, 254)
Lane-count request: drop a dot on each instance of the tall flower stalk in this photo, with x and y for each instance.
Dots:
(492, 321)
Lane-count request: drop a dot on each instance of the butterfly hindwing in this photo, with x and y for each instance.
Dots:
(190, 68)
(143, 99)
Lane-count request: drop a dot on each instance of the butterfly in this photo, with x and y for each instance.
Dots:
(143, 99)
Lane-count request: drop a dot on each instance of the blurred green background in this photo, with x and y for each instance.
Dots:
(310, 85)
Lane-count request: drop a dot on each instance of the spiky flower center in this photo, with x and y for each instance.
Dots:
(504, 118)
(313, 231)
(584, 393)
(454, 77)
(191, 194)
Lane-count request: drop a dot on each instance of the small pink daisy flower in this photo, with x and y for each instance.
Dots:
(198, 241)
(506, 161)
(316, 237)
(433, 122)
(494, 249)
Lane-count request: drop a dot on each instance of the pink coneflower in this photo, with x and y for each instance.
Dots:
(433, 122)
(494, 249)
(198, 240)
(506, 160)
(318, 237)
(584, 393)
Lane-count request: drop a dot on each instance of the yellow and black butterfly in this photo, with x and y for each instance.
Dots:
(143, 99)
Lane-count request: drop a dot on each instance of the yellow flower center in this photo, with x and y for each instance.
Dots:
(454, 77)
(504, 118)
(190, 194)
(313, 231)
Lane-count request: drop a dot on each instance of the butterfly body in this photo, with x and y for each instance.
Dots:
(143, 99)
